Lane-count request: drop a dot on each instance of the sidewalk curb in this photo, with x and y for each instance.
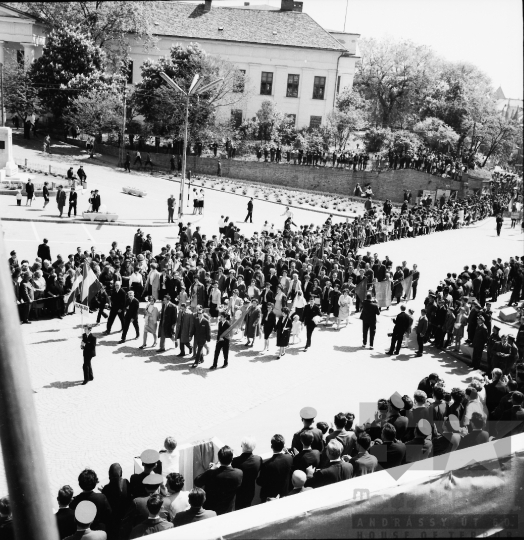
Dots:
(86, 222)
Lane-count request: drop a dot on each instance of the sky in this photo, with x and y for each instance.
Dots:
(487, 33)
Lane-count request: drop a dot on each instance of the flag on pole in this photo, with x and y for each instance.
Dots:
(383, 293)
(90, 285)
(237, 323)
(70, 298)
(361, 289)
(406, 287)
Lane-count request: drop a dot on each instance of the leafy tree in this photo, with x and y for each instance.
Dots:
(164, 109)
(500, 138)
(376, 139)
(20, 96)
(349, 116)
(394, 75)
(95, 113)
(274, 125)
(435, 133)
(106, 22)
(68, 56)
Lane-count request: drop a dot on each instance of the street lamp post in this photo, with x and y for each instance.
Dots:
(195, 89)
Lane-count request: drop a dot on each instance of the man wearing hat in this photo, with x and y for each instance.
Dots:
(151, 463)
(138, 511)
(420, 447)
(308, 415)
(61, 199)
(88, 347)
(85, 514)
(395, 405)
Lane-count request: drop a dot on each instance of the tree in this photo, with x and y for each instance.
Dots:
(164, 109)
(20, 96)
(394, 75)
(98, 112)
(460, 97)
(68, 56)
(376, 139)
(106, 22)
(349, 116)
(435, 133)
(500, 138)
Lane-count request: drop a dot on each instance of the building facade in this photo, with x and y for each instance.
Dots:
(285, 55)
(22, 37)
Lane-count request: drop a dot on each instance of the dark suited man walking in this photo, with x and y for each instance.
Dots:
(89, 351)
(131, 316)
(73, 198)
(310, 312)
(222, 342)
(402, 323)
(370, 310)
(117, 306)
(249, 211)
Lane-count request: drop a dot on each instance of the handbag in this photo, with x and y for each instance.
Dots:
(316, 319)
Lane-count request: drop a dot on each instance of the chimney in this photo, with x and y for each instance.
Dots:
(291, 5)
(207, 6)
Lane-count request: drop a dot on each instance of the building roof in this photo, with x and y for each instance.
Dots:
(499, 94)
(275, 27)
(7, 10)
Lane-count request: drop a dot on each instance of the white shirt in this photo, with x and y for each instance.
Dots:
(170, 462)
(172, 504)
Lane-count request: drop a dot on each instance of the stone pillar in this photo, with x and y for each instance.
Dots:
(7, 162)
(29, 53)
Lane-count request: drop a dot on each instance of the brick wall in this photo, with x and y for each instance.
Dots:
(385, 185)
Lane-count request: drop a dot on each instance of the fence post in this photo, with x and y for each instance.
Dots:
(49, 169)
(26, 163)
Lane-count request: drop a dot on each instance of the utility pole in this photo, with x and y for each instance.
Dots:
(2, 90)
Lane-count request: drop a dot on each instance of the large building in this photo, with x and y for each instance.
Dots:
(22, 37)
(286, 56)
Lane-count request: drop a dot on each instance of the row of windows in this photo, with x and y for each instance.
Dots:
(236, 118)
(266, 83)
(293, 81)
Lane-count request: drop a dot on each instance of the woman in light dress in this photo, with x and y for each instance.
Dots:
(151, 316)
(345, 303)
(280, 301)
(458, 329)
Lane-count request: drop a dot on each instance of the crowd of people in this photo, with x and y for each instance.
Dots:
(433, 421)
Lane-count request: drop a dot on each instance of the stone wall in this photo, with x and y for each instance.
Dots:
(385, 185)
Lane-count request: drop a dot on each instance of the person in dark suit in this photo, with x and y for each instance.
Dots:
(221, 483)
(370, 310)
(73, 198)
(130, 316)
(275, 472)
(307, 456)
(65, 517)
(96, 201)
(311, 311)
(250, 465)
(61, 199)
(197, 499)
(151, 463)
(88, 346)
(117, 306)
(337, 470)
(512, 420)
(308, 415)
(222, 341)
(87, 480)
(402, 323)
(394, 453)
(167, 324)
(266, 297)
(43, 251)
(249, 211)
(201, 334)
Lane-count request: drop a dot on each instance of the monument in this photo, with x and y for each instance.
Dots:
(8, 167)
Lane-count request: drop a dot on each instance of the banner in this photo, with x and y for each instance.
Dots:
(236, 324)
(361, 289)
(406, 287)
(383, 293)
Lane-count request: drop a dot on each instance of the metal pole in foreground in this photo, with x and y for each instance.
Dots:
(21, 445)
(184, 158)
(2, 90)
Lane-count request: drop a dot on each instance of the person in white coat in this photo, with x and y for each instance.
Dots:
(153, 279)
(151, 316)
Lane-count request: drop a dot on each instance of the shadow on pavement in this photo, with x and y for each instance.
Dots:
(49, 341)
